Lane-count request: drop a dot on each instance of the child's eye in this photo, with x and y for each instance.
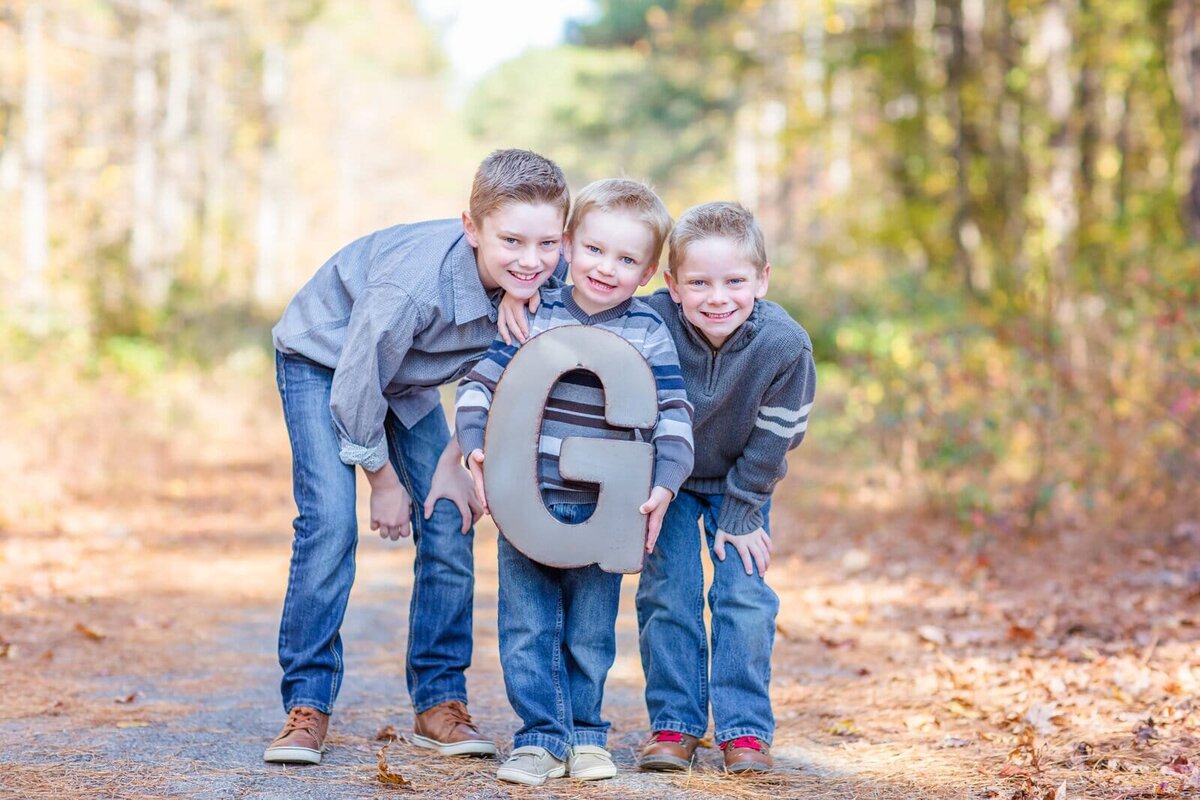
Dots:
(509, 240)
(593, 249)
(737, 281)
(550, 243)
(627, 260)
(696, 283)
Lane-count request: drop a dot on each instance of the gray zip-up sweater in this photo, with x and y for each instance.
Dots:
(751, 399)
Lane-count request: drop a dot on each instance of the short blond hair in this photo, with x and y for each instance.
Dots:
(718, 220)
(517, 176)
(623, 194)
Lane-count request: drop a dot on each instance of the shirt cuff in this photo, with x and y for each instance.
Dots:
(371, 459)
(738, 517)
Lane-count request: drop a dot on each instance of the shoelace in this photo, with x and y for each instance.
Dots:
(459, 715)
(300, 720)
(668, 736)
(747, 742)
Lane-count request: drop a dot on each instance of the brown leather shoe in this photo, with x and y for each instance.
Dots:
(747, 754)
(302, 739)
(668, 751)
(447, 728)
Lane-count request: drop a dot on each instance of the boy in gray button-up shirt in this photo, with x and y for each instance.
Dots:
(361, 350)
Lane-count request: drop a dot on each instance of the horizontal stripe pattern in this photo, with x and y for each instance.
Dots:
(575, 405)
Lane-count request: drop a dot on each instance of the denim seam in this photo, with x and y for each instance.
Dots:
(558, 748)
(737, 733)
(317, 704)
(414, 599)
(559, 700)
(679, 727)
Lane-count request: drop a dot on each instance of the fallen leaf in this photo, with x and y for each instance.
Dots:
(386, 734)
(845, 727)
(954, 741)
(932, 634)
(5, 649)
(90, 633)
(1019, 633)
(385, 774)
(1178, 766)
(1042, 717)
(1145, 734)
(129, 698)
(836, 644)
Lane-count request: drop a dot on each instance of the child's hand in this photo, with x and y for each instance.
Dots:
(656, 507)
(391, 507)
(452, 482)
(510, 317)
(475, 465)
(753, 547)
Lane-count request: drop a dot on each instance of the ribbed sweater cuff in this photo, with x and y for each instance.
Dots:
(371, 459)
(738, 517)
(669, 475)
(470, 440)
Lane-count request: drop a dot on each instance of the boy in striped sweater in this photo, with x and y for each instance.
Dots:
(749, 372)
(557, 626)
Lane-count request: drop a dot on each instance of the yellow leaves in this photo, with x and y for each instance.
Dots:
(90, 633)
(845, 727)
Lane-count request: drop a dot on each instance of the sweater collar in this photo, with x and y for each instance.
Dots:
(583, 317)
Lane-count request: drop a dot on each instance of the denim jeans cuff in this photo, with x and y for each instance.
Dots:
(680, 727)
(421, 706)
(736, 733)
(597, 738)
(324, 708)
(557, 747)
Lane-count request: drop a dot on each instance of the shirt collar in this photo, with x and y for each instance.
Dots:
(591, 319)
(471, 300)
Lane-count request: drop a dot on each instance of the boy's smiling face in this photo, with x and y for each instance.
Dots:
(611, 254)
(716, 286)
(516, 246)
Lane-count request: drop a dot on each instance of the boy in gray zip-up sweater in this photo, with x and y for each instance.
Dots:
(749, 372)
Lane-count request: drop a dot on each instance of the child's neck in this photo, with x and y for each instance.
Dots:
(590, 308)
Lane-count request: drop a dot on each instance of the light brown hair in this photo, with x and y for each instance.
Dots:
(517, 176)
(718, 220)
(623, 194)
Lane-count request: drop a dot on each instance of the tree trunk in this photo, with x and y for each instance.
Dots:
(145, 244)
(271, 175)
(1185, 81)
(35, 202)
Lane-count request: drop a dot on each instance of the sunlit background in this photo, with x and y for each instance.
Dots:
(985, 213)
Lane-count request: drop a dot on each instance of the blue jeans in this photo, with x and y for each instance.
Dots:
(673, 642)
(557, 642)
(326, 535)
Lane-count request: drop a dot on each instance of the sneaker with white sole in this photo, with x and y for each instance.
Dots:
(531, 766)
(302, 740)
(591, 762)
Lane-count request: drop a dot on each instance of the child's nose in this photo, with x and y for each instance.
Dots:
(529, 258)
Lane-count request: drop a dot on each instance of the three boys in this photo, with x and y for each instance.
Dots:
(361, 350)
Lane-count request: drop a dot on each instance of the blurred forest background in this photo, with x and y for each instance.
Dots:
(987, 214)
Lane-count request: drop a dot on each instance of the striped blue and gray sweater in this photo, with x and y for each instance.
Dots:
(575, 406)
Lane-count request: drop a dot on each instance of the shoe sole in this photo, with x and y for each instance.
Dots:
(740, 768)
(664, 764)
(471, 747)
(595, 774)
(529, 778)
(292, 755)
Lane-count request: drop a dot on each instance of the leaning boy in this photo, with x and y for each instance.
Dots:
(361, 350)
(556, 626)
(749, 372)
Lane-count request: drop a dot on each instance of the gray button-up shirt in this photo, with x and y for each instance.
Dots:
(395, 314)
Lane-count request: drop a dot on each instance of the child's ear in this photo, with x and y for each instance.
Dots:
(671, 287)
(566, 247)
(763, 280)
(469, 230)
(648, 273)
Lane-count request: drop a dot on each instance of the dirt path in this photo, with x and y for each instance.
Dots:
(914, 659)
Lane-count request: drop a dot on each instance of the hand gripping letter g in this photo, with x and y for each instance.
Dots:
(615, 535)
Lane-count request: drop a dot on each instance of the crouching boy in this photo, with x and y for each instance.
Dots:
(556, 626)
(749, 372)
